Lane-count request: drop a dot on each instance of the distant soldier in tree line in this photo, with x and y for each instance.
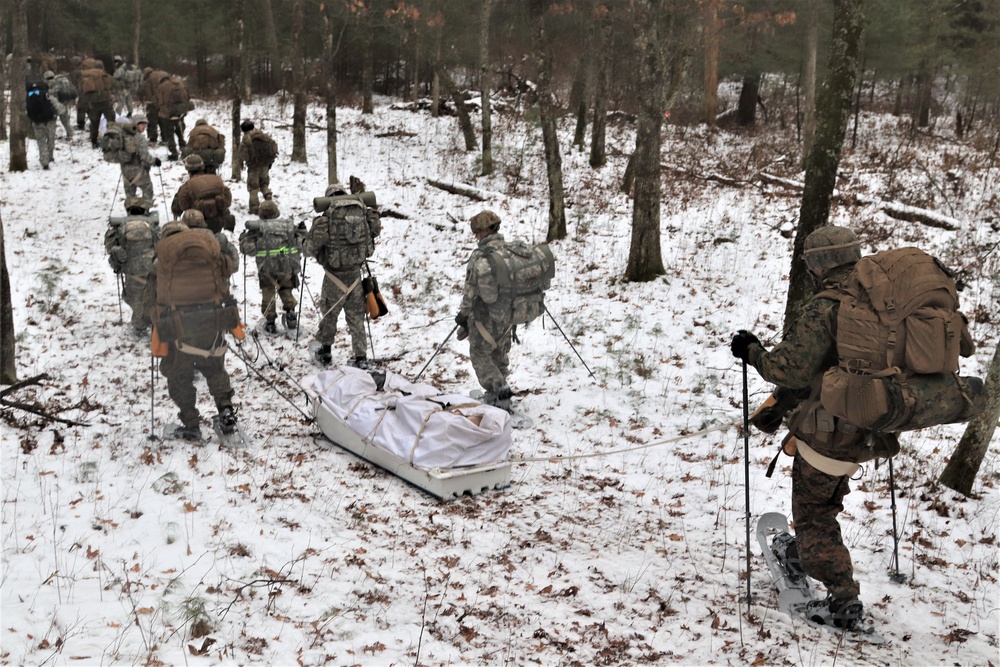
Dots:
(128, 79)
(208, 143)
(206, 193)
(63, 90)
(257, 151)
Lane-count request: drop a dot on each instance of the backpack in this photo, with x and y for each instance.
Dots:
(522, 272)
(173, 96)
(138, 235)
(351, 240)
(209, 195)
(37, 103)
(94, 80)
(64, 89)
(192, 285)
(275, 245)
(114, 144)
(263, 150)
(899, 332)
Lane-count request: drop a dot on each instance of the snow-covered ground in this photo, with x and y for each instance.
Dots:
(627, 550)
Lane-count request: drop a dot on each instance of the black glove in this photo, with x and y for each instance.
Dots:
(462, 320)
(768, 419)
(302, 225)
(157, 161)
(741, 344)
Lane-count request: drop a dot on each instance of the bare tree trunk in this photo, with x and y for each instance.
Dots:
(809, 78)
(598, 146)
(415, 71)
(136, 31)
(963, 466)
(485, 11)
(299, 83)
(240, 87)
(833, 104)
(271, 46)
(4, 74)
(710, 90)
(330, 91)
(746, 107)
(464, 121)
(436, 80)
(550, 138)
(579, 93)
(367, 64)
(8, 351)
(922, 110)
(18, 117)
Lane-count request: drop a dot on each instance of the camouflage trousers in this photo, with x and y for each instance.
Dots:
(179, 369)
(817, 499)
(258, 181)
(136, 177)
(332, 301)
(95, 107)
(491, 363)
(172, 133)
(274, 286)
(45, 137)
(67, 125)
(132, 295)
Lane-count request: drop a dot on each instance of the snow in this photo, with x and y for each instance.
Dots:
(621, 539)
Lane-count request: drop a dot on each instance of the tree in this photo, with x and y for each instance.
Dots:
(833, 105)
(8, 352)
(298, 83)
(598, 147)
(461, 109)
(3, 76)
(963, 466)
(485, 11)
(809, 77)
(18, 119)
(711, 30)
(330, 93)
(546, 110)
(240, 86)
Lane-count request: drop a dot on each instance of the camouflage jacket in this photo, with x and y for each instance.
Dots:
(481, 289)
(137, 148)
(62, 88)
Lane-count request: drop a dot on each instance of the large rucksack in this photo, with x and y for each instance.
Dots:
(263, 149)
(138, 235)
(94, 80)
(899, 332)
(522, 272)
(351, 237)
(173, 96)
(192, 285)
(114, 145)
(37, 103)
(275, 245)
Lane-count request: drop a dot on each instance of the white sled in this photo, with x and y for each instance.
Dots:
(447, 445)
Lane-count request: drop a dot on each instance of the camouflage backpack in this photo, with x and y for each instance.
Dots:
(350, 237)
(275, 245)
(137, 235)
(522, 272)
(263, 150)
(899, 332)
(113, 144)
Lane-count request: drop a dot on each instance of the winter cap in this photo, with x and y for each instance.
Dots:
(246, 125)
(194, 162)
(135, 201)
(139, 118)
(193, 218)
(336, 189)
(484, 220)
(829, 247)
(49, 75)
(268, 210)
(200, 121)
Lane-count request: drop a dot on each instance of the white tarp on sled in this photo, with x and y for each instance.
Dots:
(413, 423)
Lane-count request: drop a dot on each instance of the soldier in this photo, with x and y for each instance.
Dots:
(276, 245)
(340, 240)
(257, 151)
(207, 142)
(190, 304)
(43, 108)
(207, 193)
(128, 79)
(129, 242)
(827, 449)
(63, 89)
(173, 103)
(95, 98)
(147, 91)
(489, 329)
(137, 160)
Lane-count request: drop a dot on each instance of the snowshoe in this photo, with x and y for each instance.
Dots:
(291, 319)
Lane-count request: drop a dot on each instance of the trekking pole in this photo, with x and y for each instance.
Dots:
(453, 330)
(244, 290)
(371, 341)
(546, 308)
(895, 575)
(163, 191)
(115, 197)
(152, 392)
(118, 288)
(302, 291)
(746, 468)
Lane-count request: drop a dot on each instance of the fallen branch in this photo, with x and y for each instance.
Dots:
(705, 177)
(459, 189)
(32, 409)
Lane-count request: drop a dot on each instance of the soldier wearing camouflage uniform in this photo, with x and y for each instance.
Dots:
(206, 192)
(96, 89)
(147, 91)
(208, 143)
(127, 78)
(201, 346)
(44, 127)
(278, 269)
(342, 258)
(61, 88)
(488, 327)
(137, 160)
(258, 173)
(134, 257)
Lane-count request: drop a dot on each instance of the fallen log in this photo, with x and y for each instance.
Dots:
(459, 189)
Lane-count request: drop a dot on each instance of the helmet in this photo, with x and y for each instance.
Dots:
(134, 202)
(484, 220)
(200, 121)
(49, 75)
(193, 218)
(139, 118)
(336, 189)
(194, 163)
(246, 125)
(268, 210)
(146, 71)
(117, 59)
(829, 247)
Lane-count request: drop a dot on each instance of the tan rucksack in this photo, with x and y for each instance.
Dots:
(94, 80)
(898, 324)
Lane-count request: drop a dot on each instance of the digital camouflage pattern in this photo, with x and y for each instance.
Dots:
(129, 245)
(480, 296)
(275, 244)
(137, 161)
(333, 301)
(63, 90)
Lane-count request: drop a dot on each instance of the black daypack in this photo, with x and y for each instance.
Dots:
(37, 103)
